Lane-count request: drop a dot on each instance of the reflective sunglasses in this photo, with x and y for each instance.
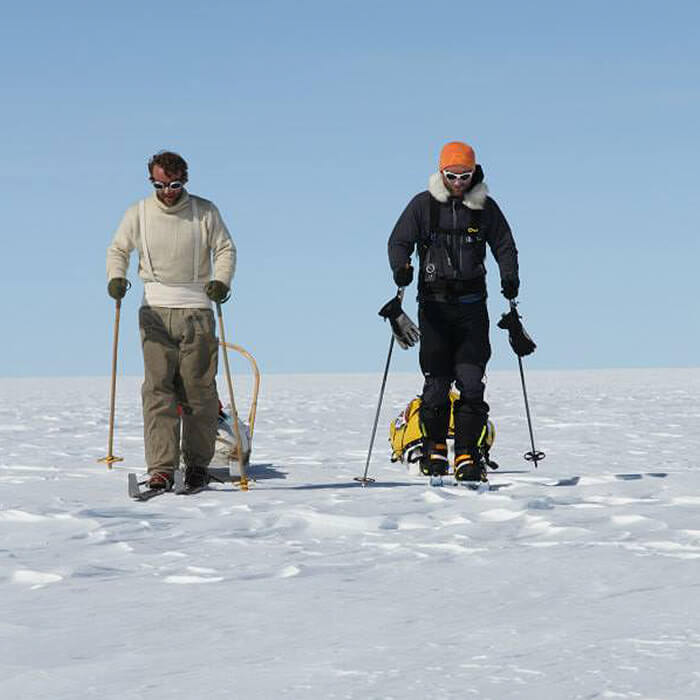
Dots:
(175, 185)
(462, 177)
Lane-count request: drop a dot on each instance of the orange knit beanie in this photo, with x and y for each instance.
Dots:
(457, 153)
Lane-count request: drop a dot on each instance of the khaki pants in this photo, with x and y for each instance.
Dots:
(180, 355)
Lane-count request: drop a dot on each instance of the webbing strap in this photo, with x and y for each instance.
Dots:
(196, 238)
(144, 242)
(480, 441)
(434, 215)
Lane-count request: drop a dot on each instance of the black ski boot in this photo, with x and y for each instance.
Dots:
(196, 477)
(434, 460)
(469, 468)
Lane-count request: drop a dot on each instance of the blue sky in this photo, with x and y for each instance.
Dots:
(312, 124)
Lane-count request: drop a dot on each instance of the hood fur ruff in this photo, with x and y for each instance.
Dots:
(475, 198)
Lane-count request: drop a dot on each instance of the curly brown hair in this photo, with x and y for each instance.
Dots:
(173, 164)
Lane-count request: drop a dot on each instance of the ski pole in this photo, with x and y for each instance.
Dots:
(234, 413)
(110, 458)
(534, 455)
(364, 479)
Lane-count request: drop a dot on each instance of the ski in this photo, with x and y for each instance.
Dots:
(137, 494)
(476, 486)
(567, 481)
(180, 488)
(191, 490)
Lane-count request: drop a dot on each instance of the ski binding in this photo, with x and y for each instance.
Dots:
(478, 486)
(181, 488)
(137, 494)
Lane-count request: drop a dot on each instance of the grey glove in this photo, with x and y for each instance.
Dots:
(405, 331)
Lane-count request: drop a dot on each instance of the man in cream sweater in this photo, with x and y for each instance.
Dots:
(186, 261)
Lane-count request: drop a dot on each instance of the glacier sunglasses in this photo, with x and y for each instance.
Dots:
(175, 185)
(461, 177)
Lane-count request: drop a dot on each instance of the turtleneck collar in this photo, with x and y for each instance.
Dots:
(181, 203)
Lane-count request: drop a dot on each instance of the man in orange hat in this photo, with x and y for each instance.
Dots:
(450, 224)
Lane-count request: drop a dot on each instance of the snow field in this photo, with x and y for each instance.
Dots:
(310, 586)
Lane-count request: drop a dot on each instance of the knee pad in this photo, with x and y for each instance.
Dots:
(435, 407)
(436, 392)
(471, 383)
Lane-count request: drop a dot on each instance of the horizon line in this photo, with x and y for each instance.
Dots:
(372, 373)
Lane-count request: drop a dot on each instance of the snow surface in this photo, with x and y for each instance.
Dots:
(310, 586)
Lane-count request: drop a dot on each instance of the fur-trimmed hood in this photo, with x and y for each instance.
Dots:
(475, 198)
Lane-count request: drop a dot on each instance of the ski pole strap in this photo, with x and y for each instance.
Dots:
(392, 309)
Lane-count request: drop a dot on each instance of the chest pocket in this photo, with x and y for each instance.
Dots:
(452, 254)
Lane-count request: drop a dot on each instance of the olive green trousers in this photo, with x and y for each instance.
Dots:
(180, 356)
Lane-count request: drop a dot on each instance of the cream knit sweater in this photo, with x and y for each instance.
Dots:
(169, 280)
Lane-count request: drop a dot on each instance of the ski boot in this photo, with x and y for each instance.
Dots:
(160, 480)
(434, 460)
(196, 477)
(469, 468)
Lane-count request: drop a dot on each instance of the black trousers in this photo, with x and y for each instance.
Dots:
(454, 347)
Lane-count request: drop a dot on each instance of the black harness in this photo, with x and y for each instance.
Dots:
(447, 257)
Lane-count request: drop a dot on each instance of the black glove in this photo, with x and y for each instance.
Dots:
(217, 291)
(518, 337)
(117, 287)
(509, 287)
(403, 276)
(405, 331)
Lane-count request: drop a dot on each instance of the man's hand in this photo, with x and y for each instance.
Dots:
(403, 276)
(117, 286)
(510, 287)
(217, 291)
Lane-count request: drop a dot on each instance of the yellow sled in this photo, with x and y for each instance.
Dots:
(406, 434)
